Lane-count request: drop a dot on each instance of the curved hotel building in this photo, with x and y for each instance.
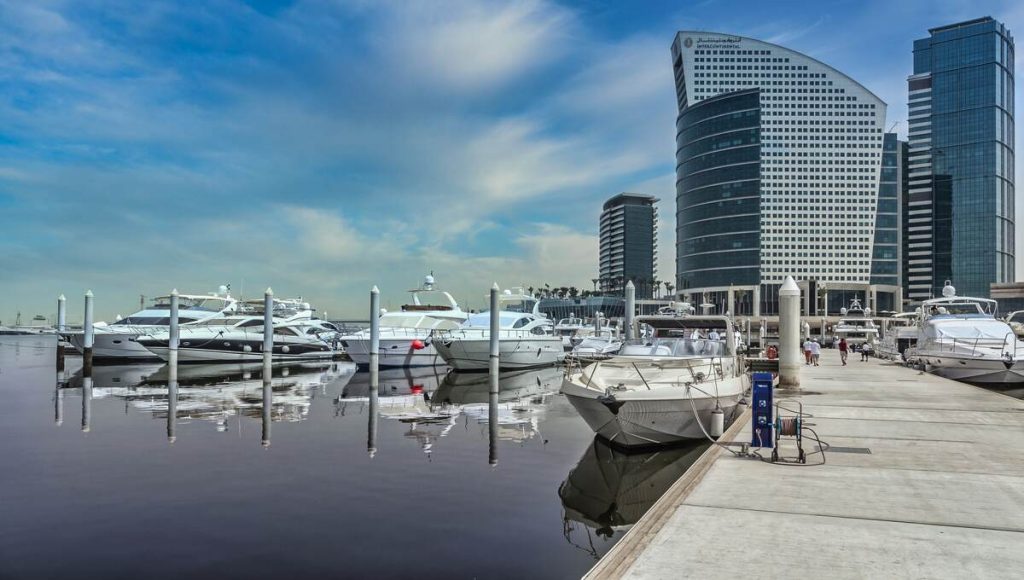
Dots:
(778, 171)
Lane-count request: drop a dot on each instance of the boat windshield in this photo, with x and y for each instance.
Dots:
(672, 346)
(413, 320)
(959, 309)
(860, 323)
(150, 321)
(206, 303)
(1016, 316)
(505, 320)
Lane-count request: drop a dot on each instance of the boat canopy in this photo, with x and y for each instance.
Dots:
(973, 329)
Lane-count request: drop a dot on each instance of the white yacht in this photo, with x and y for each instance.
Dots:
(240, 339)
(568, 329)
(1016, 322)
(666, 389)
(117, 341)
(406, 337)
(961, 339)
(525, 341)
(899, 333)
(855, 325)
(596, 347)
(526, 338)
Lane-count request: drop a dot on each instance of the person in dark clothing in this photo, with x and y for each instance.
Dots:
(844, 350)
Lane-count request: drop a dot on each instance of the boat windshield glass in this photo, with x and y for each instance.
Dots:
(860, 323)
(1016, 316)
(959, 309)
(207, 303)
(672, 346)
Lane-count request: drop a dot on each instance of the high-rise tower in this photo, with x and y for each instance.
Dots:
(778, 160)
(959, 223)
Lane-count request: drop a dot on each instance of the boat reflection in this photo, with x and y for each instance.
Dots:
(609, 490)
(431, 409)
(215, 392)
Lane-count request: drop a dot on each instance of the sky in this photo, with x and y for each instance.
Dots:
(322, 147)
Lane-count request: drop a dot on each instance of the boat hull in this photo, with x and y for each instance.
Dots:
(120, 346)
(641, 422)
(468, 354)
(394, 352)
(974, 370)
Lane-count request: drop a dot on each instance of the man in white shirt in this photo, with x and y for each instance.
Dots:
(807, 352)
(815, 352)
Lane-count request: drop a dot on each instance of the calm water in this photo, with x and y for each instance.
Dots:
(98, 481)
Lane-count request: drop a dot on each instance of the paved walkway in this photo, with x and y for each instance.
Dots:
(940, 495)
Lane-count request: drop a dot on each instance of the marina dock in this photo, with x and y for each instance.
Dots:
(924, 479)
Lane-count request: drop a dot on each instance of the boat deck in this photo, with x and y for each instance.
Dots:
(925, 479)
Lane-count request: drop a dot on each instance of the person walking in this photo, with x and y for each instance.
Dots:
(865, 351)
(807, 351)
(844, 350)
(815, 352)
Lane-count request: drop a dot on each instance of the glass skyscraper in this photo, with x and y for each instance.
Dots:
(629, 244)
(778, 168)
(960, 205)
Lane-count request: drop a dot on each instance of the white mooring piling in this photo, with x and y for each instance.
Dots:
(172, 397)
(371, 428)
(268, 325)
(630, 309)
(789, 334)
(173, 334)
(268, 403)
(88, 335)
(597, 324)
(494, 367)
(62, 314)
(86, 403)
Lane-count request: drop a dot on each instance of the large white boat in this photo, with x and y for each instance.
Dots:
(666, 390)
(240, 339)
(855, 325)
(117, 341)
(39, 326)
(961, 339)
(1016, 322)
(900, 332)
(406, 337)
(526, 339)
(568, 328)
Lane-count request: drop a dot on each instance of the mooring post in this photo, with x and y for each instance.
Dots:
(494, 362)
(173, 333)
(86, 403)
(268, 325)
(630, 309)
(172, 392)
(371, 435)
(62, 313)
(58, 401)
(492, 429)
(789, 334)
(597, 324)
(88, 336)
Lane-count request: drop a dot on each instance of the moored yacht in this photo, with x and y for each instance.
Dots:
(240, 339)
(855, 325)
(406, 337)
(899, 333)
(567, 328)
(960, 338)
(117, 341)
(665, 388)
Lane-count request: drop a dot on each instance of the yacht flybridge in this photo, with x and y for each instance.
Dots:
(117, 340)
(406, 337)
(855, 325)
(663, 388)
(960, 338)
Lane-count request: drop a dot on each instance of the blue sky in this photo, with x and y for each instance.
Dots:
(322, 147)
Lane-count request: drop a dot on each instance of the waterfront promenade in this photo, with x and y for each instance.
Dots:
(939, 494)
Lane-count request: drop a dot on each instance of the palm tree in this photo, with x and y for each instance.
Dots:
(595, 281)
(669, 288)
(573, 291)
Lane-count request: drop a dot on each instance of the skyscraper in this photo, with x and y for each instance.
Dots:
(778, 160)
(629, 251)
(960, 202)
(887, 251)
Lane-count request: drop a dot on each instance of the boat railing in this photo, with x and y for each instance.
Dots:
(1009, 346)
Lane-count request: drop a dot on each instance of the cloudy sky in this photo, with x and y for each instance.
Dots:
(321, 147)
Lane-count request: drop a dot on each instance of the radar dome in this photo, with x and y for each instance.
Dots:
(842, 312)
(222, 289)
(428, 280)
(305, 305)
(948, 291)
(507, 292)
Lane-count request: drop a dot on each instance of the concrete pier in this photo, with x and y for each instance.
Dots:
(924, 479)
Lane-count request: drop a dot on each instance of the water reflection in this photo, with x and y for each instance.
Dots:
(609, 490)
(215, 393)
(433, 401)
